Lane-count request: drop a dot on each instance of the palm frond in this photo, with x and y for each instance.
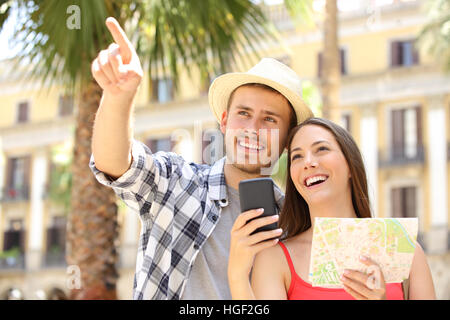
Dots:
(434, 37)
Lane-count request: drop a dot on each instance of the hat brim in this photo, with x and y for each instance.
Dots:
(223, 86)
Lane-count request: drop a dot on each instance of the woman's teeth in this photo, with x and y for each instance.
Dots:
(315, 179)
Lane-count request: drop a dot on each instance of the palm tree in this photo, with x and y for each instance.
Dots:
(205, 35)
(435, 35)
(331, 65)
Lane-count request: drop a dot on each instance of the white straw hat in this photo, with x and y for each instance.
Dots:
(268, 71)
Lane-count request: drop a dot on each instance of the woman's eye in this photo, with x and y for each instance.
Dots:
(322, 148)
(296, 156)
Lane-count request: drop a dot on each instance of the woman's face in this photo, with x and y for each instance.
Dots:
(318, 167)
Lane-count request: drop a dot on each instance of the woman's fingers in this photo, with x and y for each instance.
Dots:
(264, 235)
(353, 293)
(351, 280)
(242, 219)
(251, 226)
(370, 285)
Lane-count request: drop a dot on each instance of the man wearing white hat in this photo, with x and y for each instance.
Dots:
(187, 210)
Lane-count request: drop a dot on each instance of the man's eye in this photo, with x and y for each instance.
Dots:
(243, 113)
(270, 119)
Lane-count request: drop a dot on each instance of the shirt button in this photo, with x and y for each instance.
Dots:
(214, 218)
(196, 246)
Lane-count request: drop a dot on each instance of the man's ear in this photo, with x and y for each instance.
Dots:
(223, 122)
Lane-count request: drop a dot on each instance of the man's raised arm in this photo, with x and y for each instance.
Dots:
(118, 72)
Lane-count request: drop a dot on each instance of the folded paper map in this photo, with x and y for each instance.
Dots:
(338, 243)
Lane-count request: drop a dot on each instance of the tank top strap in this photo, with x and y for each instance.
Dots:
(288, 258)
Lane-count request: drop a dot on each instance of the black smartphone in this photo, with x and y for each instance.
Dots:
(258, 193)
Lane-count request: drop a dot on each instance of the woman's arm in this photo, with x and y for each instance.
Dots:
(268, 274)
(244, 246)
(421, 285)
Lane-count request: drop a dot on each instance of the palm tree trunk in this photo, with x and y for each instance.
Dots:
(92, 229)
(331, 72)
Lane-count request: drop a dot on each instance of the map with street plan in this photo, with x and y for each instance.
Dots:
(338, 243)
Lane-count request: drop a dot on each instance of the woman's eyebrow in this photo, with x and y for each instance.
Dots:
(312, 145)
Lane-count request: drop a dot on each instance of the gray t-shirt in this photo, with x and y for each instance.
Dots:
(208, 277)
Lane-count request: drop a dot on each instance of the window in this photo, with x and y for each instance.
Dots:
(65, 105)
(14, 245)
(406, 133)
(14, 237)
(56, 242)
(403, 201)
(164, 144)
(23, 112)
(403, 54)
(162, 90)
(343, 54)
(17, 184)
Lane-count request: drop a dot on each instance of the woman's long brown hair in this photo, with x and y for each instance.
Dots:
(295, 217)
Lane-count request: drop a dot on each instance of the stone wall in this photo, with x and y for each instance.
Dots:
(440, 271)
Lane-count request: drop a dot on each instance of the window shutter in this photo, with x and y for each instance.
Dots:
(398, 132)
(10, 172)
(415, 52)
(26, 176)
(419, 125)
(151, 143)
(23, 112)
(396, 198)
(343, 65)
(154, 90)
(395, 53)
(409, 202)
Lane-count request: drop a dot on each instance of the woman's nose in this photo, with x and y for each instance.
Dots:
(310, 160)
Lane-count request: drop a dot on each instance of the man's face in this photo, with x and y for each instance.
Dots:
(255, 128)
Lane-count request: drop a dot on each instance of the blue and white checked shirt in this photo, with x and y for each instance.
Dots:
(179, 204)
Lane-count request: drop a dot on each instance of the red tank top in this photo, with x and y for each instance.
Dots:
(302, 290)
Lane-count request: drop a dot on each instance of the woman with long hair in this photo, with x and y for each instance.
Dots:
(326, 178)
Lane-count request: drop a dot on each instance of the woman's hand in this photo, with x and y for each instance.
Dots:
(244, 247)
(365, 286)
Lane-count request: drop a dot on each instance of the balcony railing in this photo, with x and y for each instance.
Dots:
(397, 156)
(54, 259)
(11, 194)
(448, 150)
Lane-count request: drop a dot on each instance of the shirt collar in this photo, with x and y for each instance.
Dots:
(217, 187)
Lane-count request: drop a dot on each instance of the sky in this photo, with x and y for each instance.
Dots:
(7, 33)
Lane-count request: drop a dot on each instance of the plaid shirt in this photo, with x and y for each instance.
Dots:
(179, 204)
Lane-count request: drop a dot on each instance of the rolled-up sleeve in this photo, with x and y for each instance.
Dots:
(148, 175)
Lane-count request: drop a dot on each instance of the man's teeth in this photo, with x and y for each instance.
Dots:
(249, 145)
(310, 181)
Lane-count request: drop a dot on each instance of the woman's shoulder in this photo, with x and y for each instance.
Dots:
(269, 254)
